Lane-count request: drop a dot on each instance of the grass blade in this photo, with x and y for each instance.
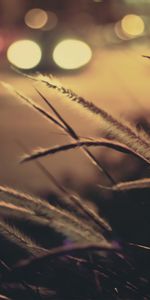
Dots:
(144, 247)
(36, 263)
(13, 234)
(132, 185)
(71, 132)
(65, 127)
(121, 131)
(73, 200)
(96, 143)
(31, 103)
(62, 221)
(69, 129)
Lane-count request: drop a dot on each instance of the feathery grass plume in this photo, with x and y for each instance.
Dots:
(41, 260)
(143, 129)
(96, 219)
(117, 268)
(11, 205)
(121, 131)
(8, 209)
(71, 132)
(11, 233)
(18, 209)
(72, 200)
(61, 220)
(31, 103)
(21, 199)
(131, 185)
(63, 125)
(88, 143)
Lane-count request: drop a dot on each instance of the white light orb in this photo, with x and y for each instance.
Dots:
(72, 54)
(24, 54)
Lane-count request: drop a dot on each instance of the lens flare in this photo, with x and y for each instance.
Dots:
(24, 54)
(72, 54)
(36, 18)
(132, 25)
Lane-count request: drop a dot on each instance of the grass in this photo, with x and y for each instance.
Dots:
(64, 249)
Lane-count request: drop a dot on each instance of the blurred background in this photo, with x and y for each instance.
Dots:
(96, 48)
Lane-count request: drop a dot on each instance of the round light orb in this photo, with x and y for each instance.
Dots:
(36, 18)
(132, 25)
(24, 54)
(72, 54)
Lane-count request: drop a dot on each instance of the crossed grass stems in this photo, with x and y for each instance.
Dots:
(86, 229)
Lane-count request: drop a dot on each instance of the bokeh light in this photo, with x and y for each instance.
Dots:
(120, 33)
(24, 54)
(36, 18)
(72, 54)
(132, 25)
(51, 22)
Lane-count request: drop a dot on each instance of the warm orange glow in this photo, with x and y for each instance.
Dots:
(132, 25)
(72, 54)
(24, 54)
(36, 18)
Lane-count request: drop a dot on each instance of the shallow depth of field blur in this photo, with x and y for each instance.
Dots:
(96, 48)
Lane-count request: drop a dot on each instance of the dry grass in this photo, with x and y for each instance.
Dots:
(96, 262)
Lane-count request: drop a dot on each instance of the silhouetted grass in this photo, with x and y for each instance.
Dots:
(93, 260)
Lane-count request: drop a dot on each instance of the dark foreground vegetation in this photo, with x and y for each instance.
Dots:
(64, 248)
